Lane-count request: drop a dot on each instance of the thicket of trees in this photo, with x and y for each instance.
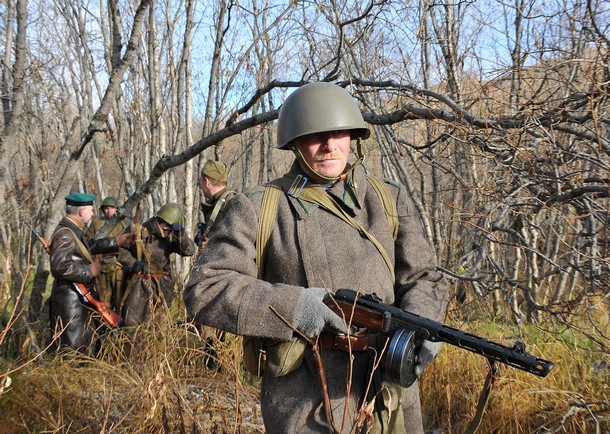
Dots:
(494, 114)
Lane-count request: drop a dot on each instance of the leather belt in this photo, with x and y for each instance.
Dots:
(149, 275)
(344, 342)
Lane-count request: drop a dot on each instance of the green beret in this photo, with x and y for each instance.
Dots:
(80, 199)
(215, 170)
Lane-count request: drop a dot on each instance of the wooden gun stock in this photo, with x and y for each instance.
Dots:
(357, 315)
(112, 318)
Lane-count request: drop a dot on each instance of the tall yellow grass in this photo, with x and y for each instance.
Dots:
(154, 379)
(573, 398)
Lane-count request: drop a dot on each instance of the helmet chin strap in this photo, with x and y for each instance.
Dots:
(329, 179)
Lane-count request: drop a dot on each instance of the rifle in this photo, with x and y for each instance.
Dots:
(112, 318)
(409, 330)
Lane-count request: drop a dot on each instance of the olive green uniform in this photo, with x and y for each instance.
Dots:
(112, 273)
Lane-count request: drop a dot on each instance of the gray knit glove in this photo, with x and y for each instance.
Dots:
(313, 315)
(427, 353)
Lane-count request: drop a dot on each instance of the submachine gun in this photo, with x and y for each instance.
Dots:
(408, 331)
(112, 318)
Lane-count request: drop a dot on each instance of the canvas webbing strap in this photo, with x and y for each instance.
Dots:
(318, 196)
(141, 249)
(389, 204)
(218, 206)
(265, 221)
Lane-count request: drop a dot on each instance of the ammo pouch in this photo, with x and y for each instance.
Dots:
(275, 358)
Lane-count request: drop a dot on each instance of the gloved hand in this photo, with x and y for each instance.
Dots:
(126, 239)
(313, 315)
(96, 268)
(427, 353)
(178, 229)
(137, 267)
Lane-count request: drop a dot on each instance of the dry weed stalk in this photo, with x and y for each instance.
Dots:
(363, 419)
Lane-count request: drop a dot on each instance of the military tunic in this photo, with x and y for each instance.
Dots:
(111, 276)
(221, 202)
(310, 247)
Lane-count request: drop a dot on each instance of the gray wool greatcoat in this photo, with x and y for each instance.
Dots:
(310, 247)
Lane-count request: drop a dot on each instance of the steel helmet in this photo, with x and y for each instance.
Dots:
(317, 108)
(170, 213)
(110, 201)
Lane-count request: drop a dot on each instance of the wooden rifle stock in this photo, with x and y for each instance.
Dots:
(357, 315)
(368, 311)
(112, 318)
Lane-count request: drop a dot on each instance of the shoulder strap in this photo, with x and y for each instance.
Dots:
(218, 206)
(269, 211)
(141, 249)
(318, 196)
(389, 204)
(79, 243)
(269, 205)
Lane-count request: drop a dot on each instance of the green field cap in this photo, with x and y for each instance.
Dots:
(215, 170)
(80, 199)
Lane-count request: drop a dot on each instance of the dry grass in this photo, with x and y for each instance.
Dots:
(145, 380)
(154, 379)
(571, 399)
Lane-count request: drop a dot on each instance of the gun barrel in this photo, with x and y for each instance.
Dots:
(395, 319)
(514, 356)
(39, 236)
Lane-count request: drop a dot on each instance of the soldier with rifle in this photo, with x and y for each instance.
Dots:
(217, 198)
(150, 286)
(284, 247)
(73, 261)
(111, 275)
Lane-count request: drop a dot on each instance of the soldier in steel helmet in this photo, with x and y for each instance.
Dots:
(111, 275)
(72, 256)
(150, 285)
(311, 251)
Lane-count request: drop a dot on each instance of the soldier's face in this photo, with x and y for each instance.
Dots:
(204, 184)
(109, 211)
(326, 153)
(86, 213)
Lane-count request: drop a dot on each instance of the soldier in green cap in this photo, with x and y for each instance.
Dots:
(284, 247)
(111, 276)
(150, 285)
(72, 256)
(217, 199)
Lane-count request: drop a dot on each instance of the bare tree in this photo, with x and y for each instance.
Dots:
(495, 117)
